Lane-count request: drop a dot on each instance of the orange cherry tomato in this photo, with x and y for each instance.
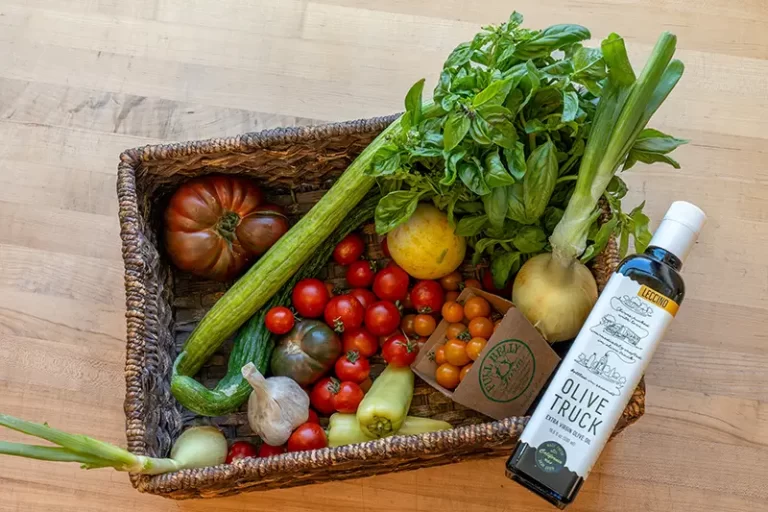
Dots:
(456, 352)
(451, 296)
(447, 375)
(440, 355)
(481, 326)
(424, 325)
(457, 330)
(475, 307)
(451, 282)
(473, 283)
(453, 312)
(475, 346)
(464, 371)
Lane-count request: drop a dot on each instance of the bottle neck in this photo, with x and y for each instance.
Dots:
(664, 256)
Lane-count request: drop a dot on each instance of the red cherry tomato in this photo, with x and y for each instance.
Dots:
(352, 367)
(349, 249)
(308, 436)
(348, 398)
(382, 318)
(360, 274)
(344, 312)
(309, 297)
(313, 417)
(427, 296)
(267, 450)
(321, 396)
(279, 320)
(240, 450)
(361, 341)
(363, 296)
(391, 283)
(385, 248)
(399, 351)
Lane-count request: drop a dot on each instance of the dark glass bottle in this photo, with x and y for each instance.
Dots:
(577, 413)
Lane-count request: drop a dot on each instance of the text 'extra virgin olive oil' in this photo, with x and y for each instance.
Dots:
(596, 379)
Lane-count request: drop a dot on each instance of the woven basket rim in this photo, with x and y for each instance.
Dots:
(131, 162)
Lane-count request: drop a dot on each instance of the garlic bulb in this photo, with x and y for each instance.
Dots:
(277, 406)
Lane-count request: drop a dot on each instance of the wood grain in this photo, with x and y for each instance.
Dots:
(80, 80)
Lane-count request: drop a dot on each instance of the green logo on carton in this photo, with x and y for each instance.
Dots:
(507, 370)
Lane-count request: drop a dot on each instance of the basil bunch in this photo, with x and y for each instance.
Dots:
(501, 152)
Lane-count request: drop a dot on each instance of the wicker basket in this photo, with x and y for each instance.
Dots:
(296, 165)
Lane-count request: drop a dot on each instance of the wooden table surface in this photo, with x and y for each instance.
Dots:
(80, 80)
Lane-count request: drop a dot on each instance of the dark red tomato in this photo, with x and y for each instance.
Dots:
(363, 296)
(308, 436)
(352, 367)
(349, 249)
(321, 396)
(391, 283)
(399, 351)
(385, 248)
(427, 296)
(279, 320)
(267, 450)
(240, 450)
(382, 318)
(360, 274)
(348, 398)
(309, 297)
(313, 417)
(344, 312)
(407, 303)
(361, 341)
(488, 285)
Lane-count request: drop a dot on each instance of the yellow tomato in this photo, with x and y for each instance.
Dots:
(426, 246)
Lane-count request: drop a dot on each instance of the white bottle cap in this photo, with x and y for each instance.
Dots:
(679, 229)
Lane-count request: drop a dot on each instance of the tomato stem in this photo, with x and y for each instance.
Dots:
(227, 225)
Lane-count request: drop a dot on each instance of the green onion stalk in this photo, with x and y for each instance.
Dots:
(555, 291)
(196, 447)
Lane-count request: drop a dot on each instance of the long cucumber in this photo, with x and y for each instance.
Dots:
(254, 343)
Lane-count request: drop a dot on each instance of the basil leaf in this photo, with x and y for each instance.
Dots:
(539, 181)
(385, 162)
(496, 174)
(471, 174)
(459, 56)
(494, 94)
(515, 101)
(552, 216)
(515, 205)
(641, 231)
(570, 106)
(496, 206)
(395, 208)
(653, 146)
(456, 128)
(504, 264)
(471, 226)
(515, 158)
(413, 102)
(484, 244)
(602, 238)
(515, 20)
(617, 188)
(551, 39)
(480, 130)
(530, 239)
(450, 166)
(469, 207)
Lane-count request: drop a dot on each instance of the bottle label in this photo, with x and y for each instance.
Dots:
(596, 379)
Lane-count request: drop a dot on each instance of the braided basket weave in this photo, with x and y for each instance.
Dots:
(295, 166)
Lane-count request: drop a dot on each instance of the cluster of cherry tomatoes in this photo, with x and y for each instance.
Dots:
(471, 325)
(307, 436)
(381, 311)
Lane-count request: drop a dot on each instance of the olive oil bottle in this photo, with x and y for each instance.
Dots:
(579, 410)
